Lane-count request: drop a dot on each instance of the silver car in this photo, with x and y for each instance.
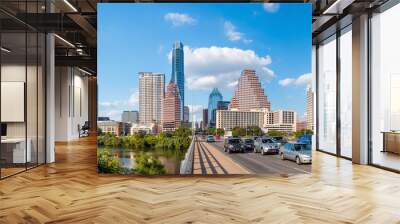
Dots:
(266, 146)
(299, 152)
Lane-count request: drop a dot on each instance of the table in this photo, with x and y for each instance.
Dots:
(13, 150)
(391, 141)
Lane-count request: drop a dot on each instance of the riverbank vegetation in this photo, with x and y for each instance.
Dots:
(147, 149)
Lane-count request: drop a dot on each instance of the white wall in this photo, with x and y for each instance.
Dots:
(71, 103)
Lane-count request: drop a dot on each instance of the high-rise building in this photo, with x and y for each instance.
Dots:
(249, 94)
(178, 74)
(310, 109)
(228, 119)
(280, 120)
(171, 116)
(130, 116)
(186, 114)
(205, 119)
(213, 99)
(151, 94)
(223, 105)
(111, 127)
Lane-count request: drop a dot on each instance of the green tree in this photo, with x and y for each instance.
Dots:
(238, 132)
(297, 134)
(211, 131)
(108, 163)
(254, 131)
(274, 133)
(220, 131)
(148, 165)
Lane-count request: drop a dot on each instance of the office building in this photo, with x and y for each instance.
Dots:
(205, 119)
(143, 129)
(171, 109)
(151, 94)
(213, 99)
(249, 94)
(186, 113)
(301, 125)
(310, 109)
(178, 74)
(130, 116)
(280, 120)
(111, 127)
(223, 105)
(103, 118)
(228, 119)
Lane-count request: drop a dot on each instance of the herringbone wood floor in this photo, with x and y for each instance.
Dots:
(70, 191)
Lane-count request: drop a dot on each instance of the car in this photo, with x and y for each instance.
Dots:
(233, 145)
(266, 145)
(248, 144)
(210, 138)
(280, 140)
(298, 152)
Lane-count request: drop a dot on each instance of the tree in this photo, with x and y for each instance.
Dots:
(238, 132)
(275, 133)
(183, 132)
(220, 131)
(297, 134)
(211, 131)
(254, 131)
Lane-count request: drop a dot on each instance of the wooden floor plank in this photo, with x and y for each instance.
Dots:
(71, 191)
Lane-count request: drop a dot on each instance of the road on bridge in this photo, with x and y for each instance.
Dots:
(210, 158)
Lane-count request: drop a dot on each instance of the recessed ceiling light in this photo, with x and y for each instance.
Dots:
(5, 50)
(64, 40)
(70, 5)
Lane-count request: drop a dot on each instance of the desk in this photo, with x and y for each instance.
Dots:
(391, 142)
(13, 150)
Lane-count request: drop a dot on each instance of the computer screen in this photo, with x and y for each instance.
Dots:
(3, 129)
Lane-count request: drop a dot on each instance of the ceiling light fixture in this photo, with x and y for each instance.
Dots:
(337, 7)
(84, 71)
(64, 40)
(5, 50)
(70, 5)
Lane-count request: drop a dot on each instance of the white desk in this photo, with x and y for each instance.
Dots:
(19, 154)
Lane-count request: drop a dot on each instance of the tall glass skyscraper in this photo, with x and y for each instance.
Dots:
(178, 75)
(213, 100)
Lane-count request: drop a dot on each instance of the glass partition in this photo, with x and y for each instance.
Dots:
(346, 92)
(327, 95)
(23, 91)
(385, 89)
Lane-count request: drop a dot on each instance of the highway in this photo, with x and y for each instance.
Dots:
(264, 164)
(211, 159)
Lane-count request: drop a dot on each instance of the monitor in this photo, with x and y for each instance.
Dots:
(3, 129)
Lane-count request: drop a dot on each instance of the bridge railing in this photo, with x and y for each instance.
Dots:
(187, 162)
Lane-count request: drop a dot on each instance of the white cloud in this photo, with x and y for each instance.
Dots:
(271, 7)
(179, 19)
(114, 109)
(233, 34)
(304, 79)
(214, 66)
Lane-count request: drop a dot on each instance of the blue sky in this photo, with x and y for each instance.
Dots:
(220, 40)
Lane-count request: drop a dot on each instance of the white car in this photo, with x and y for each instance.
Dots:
(266, 146)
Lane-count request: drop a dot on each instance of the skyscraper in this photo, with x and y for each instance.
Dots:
(310, 109)
(151, 94)
(249, 94)
(213, 99)
(130, 116)
(186, 113)
(205, 119)
(171, 116)
(178, 75)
